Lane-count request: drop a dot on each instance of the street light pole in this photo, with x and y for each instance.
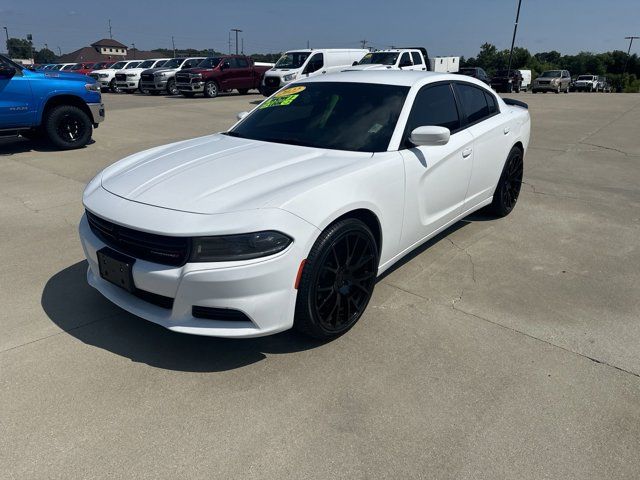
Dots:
(626, 62)
(237, 30)
(173, 42)
(6, 32)
(134, 50)
(513, 40)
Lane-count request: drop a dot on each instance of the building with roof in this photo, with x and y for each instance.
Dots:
(106, 50)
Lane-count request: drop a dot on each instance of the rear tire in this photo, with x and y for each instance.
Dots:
(68, 127)
(337, 280)
(507, 191)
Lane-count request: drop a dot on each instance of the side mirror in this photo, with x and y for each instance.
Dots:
(430, 136)
(7, 72)
(241, 115)
(354, 64)
(225, 65)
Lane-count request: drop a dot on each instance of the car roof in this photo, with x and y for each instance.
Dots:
(406, 78)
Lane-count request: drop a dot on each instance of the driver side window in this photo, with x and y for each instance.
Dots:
(434, 106)
(315, 63)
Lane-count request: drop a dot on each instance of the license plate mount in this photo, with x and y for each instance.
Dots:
(116, 268)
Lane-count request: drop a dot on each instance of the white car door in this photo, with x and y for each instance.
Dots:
(436, 177)
(491, 140)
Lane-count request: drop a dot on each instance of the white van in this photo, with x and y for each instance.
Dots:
(297, 64)
(526, 79)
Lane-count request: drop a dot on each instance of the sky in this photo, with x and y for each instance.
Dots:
(455, 27)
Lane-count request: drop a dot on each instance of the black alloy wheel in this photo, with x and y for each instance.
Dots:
(113, 87)
(68, 126)
(508, 189)
(337, 280)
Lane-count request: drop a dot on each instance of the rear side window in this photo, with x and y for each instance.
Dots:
(417, 58)
(240, 63)
(315, 63)
(405, 59)
(491, 102)
(474, 102)
(434, 105)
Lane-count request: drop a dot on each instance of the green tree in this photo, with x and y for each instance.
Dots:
(19, 48)
(45, 56)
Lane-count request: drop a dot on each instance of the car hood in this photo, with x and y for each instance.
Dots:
(131, 70)
(372, 66)
(221, 174)
(159, 70)
(196, 70)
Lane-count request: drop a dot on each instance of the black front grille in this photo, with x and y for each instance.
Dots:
(162, 249)
(94, 75)
(224, 314)
(183, 78)
(147, 77)
(272, 82)
(121, 77)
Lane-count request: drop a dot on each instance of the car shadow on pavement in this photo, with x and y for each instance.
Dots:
(82, 312)
(14, 145)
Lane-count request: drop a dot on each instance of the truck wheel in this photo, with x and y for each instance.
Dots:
(113, 87)
(68, 127)
(211, 89)
(143, 91)
(243, 91)
(171, 87)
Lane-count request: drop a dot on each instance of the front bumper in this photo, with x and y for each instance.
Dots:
(194, 87)
(545, 88)
(156, 85)
(97, 112)
(262, 289)
(128, 85)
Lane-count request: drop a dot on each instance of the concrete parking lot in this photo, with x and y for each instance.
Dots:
(504, 349)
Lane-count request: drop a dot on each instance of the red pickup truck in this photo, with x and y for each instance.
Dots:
(220, 74)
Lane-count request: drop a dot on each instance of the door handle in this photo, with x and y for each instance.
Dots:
(506, 130)
(466, 152)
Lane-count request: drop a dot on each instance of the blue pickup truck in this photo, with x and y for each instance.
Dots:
(61, 107)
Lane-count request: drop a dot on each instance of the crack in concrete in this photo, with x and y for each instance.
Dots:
(617, 150)
(473, 271)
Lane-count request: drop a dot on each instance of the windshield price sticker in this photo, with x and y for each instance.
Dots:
(290, 91)
(279, 101)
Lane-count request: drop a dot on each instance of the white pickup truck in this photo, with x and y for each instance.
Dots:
(394, 59)
(586, 83)
(129, 80)
(107, 76)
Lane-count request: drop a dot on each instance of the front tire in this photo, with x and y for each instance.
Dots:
(211, 89)
(68, 127)
(337, 280)
(113, 87)
(171, 87)
(508, 188)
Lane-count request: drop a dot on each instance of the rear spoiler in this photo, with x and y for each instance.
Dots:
(516, 103)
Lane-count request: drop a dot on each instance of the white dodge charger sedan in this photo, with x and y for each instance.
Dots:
(287, 219)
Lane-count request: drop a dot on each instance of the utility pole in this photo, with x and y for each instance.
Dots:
(242, 48)
(364, 43)
(237, 30)
(229, 42)
(308, 48)
(110, 34)
(513, 40)
(173, 42)
(59, 52)
(626, 62)
(6, 32)
(134, 50)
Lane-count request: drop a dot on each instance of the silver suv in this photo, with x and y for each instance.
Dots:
(156, 80)
(552, 81)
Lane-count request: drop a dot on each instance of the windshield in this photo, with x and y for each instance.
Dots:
(209, 62)
(585, 77)
(80, 66)
(292, 60)
(146, 64)
(118, 66)
(379, 58)
(160, 63)
(132, 65)
(342, 116)
(552, 74)
(174, 63)
(67, 67)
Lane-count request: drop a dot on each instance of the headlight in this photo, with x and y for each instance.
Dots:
(103, 75)
(291, 76)
(227, 248)
(161, 75)
(131, 75)
(92, 87)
